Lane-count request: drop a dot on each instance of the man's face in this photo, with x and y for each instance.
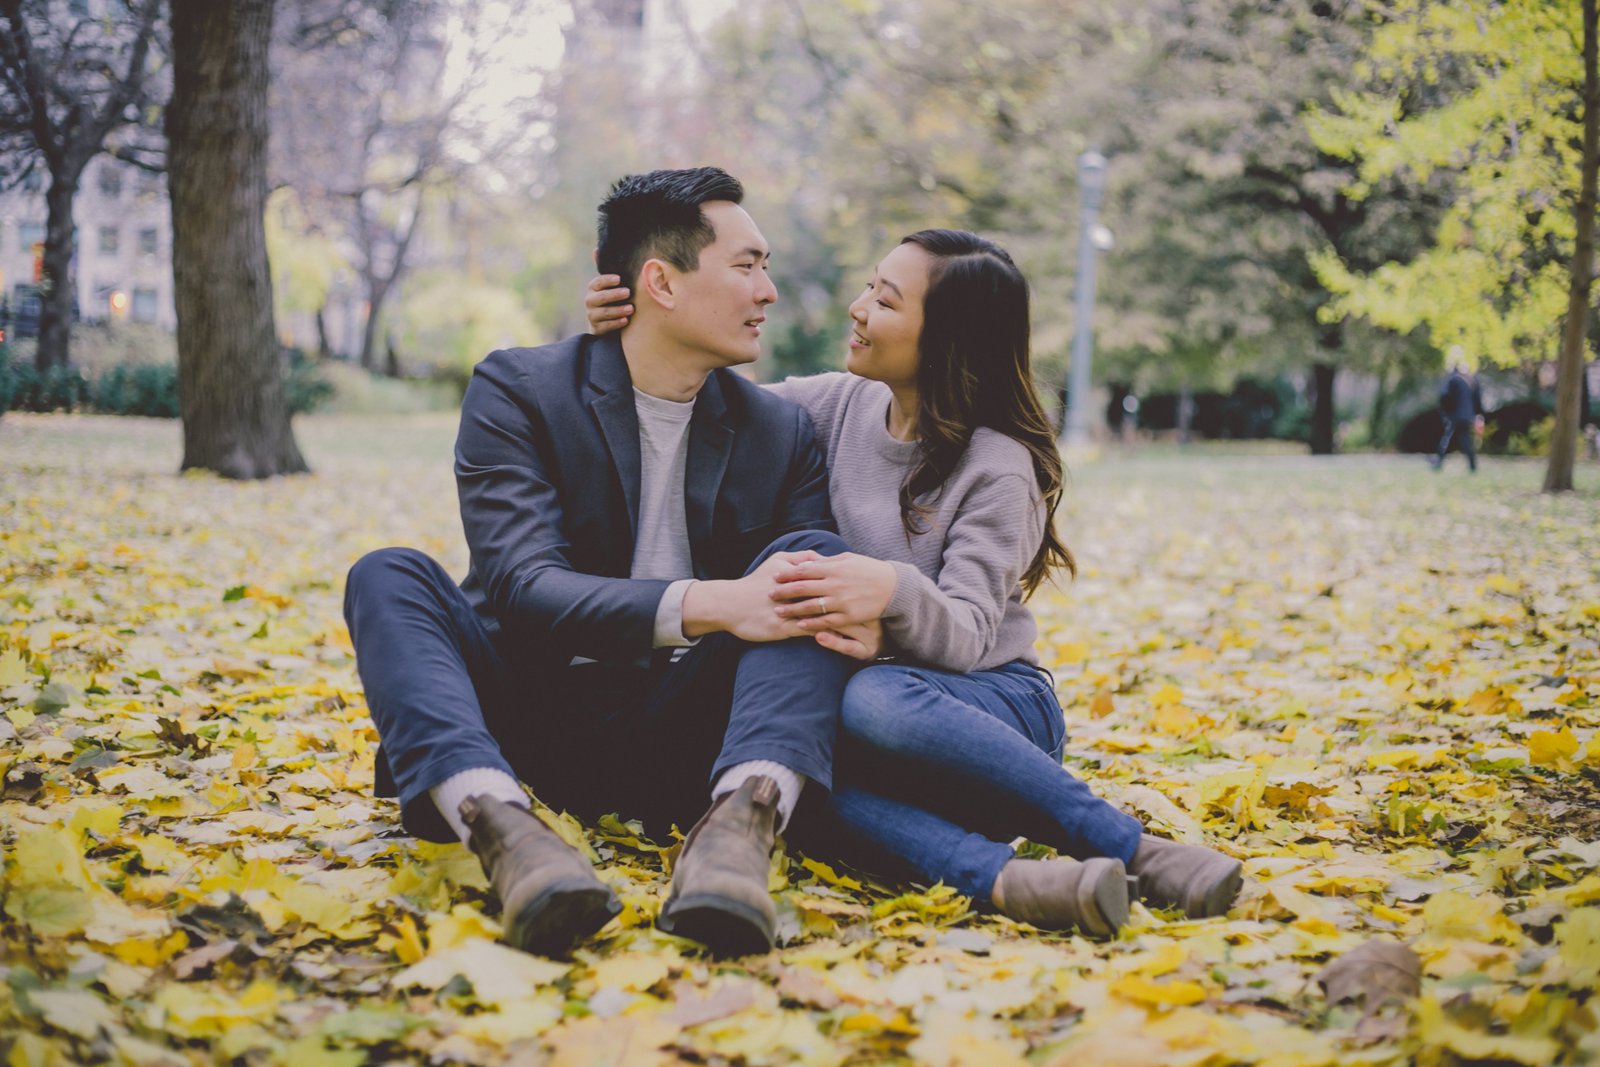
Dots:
(721, 306)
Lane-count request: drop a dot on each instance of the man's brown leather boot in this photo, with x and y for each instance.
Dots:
(719, 885)
(1059, 894)
(1201, 881)
(549, 895)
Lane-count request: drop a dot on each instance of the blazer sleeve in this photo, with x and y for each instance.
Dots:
(511, 514)
(805, 503)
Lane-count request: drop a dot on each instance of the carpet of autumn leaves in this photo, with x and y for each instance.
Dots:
(1377, 685)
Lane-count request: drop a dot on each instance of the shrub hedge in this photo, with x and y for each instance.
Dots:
(131, 388)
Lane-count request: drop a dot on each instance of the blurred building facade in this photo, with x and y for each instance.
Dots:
(644, 58)
(122, 264)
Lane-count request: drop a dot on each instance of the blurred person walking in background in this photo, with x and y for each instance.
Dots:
(1461, 407)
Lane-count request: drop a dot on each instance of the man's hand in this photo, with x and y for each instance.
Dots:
(857, 640)
(834, 592)
(606, 304)
(742, 607)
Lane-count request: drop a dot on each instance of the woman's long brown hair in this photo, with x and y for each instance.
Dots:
(974, 369)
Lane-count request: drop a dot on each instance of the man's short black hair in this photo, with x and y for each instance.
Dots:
(657, 216)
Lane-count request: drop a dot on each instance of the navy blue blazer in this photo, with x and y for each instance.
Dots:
(547, 468)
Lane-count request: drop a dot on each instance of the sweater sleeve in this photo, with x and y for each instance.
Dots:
(822, 395)
(952, 623)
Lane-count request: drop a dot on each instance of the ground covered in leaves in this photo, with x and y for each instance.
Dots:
(1376, 685)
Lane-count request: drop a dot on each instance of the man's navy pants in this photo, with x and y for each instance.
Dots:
(448, 694)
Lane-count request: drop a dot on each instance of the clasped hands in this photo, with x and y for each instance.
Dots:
(838, 600)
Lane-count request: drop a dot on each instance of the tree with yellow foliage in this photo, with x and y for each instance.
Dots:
(1501, 97)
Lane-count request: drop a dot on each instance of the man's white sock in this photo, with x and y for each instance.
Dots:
(477, 782)
(789, 784)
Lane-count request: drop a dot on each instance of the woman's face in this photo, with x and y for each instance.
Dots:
(888, 318)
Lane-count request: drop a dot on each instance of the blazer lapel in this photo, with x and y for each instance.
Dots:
(710, 442)
(619, 421)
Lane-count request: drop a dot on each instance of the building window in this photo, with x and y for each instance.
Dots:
(144, 305)
(108, 240)
(30, 234)
(149, 241)
(110, 182)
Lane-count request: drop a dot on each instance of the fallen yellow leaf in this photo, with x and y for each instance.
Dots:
(1163, 994)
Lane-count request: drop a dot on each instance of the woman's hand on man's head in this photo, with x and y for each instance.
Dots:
(605, 303)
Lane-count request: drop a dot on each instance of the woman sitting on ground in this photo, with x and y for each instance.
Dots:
(945, 479)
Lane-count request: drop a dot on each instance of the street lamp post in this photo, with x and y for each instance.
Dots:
(1092, 237)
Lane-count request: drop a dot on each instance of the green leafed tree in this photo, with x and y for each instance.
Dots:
(1500, 97)
(1220, 198)
(879, 119)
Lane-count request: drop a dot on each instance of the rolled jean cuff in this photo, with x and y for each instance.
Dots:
(1119, 838)
(813, 767)
(418, 813)
(974, 864)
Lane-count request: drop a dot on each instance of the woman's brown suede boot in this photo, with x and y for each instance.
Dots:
(1059, 894)
(1201, 881)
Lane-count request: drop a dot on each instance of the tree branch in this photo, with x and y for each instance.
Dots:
(19, 53)
(129, 87)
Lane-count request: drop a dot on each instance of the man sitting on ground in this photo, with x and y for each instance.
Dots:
(626, 500)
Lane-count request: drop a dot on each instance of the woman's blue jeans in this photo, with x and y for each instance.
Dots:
(937, 771)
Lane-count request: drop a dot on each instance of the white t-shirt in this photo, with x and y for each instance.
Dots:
(661, 549)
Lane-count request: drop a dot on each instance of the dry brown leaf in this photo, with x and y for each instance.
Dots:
(693, 1007)
(201, 958)
(1375, 973)
(24, 782)
(805, 986)
(627, 1041)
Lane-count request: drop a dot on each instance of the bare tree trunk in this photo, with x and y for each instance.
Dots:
(1569, 385)
(1377, 429)
(1322, 412)
(324, 349)
(369, 337)
(230, 373)
(377, 299)
(1324, 419)
(379, 286)
(55, 311)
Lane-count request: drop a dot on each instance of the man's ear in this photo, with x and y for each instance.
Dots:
(658, 282)
(594, 254)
